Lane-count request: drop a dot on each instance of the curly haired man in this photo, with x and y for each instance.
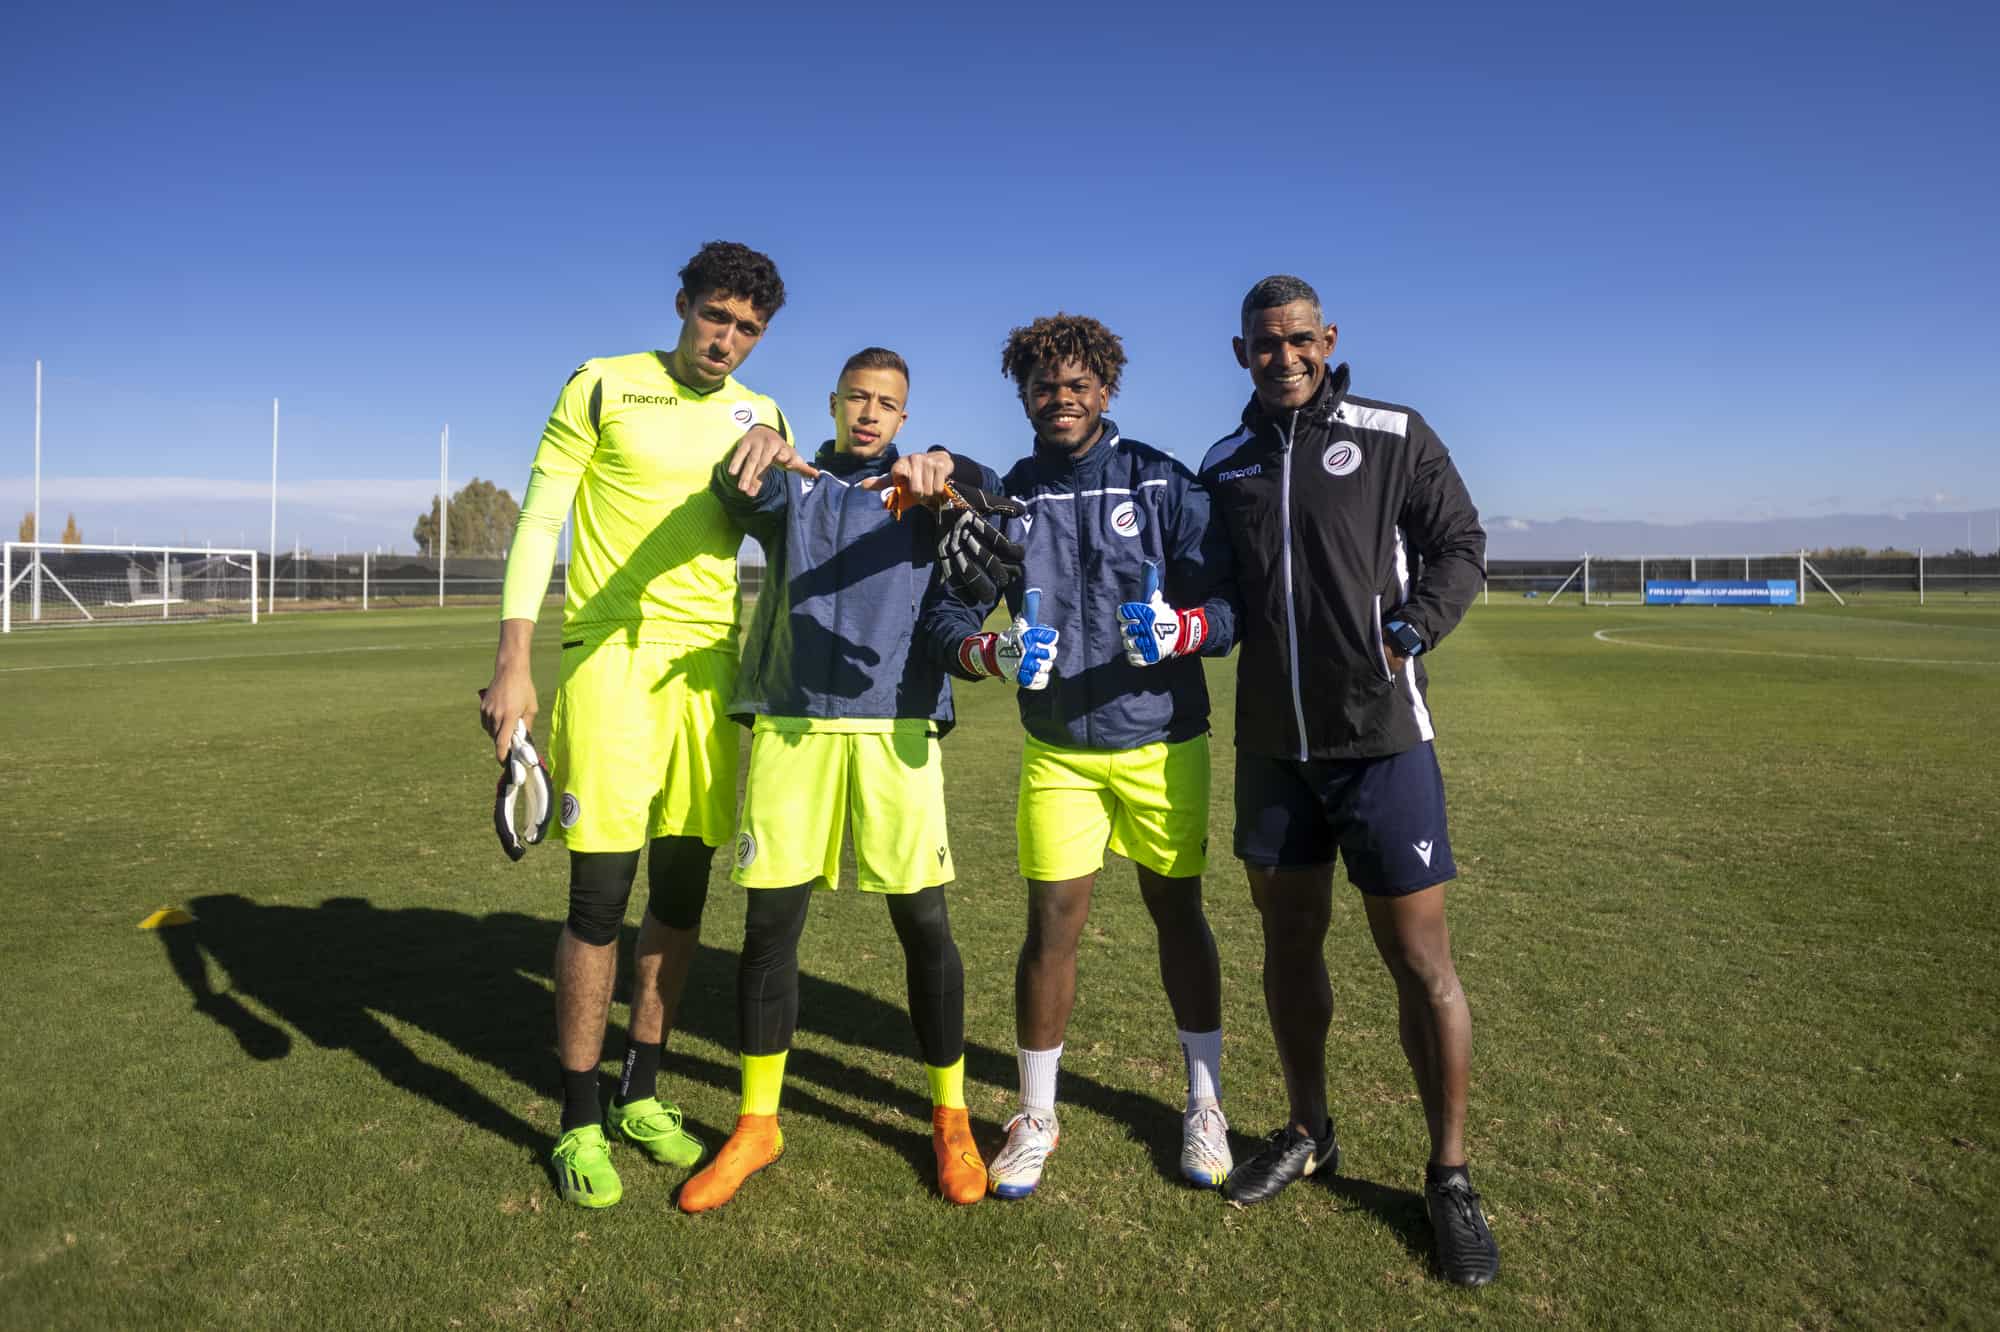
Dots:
(645, 758)
(1116, 710)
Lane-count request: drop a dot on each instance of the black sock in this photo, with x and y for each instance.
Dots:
(1435, 1174)
(580, 1105)
(642, 1072)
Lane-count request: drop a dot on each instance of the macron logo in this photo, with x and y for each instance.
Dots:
(1423, 849)
(1238, 473)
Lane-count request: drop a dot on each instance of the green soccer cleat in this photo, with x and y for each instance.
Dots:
(584, 1173)
(654, 1127)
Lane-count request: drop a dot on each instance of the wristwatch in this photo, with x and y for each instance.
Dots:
(1407, 641)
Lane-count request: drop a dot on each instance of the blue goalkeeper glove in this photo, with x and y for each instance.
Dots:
(1155, 631)
(1025, 653)
(525, 773)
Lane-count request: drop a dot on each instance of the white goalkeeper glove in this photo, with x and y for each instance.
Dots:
(523, 774)
(1025, 653)
(1155, 631)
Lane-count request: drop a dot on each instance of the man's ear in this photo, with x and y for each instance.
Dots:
(1242, 352)
(1332, 336)
(681, 304)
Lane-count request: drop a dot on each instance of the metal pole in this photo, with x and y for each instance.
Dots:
(164, 560)
(364, 580)
(274, 510)
(444, 455)
(35, 579)
(295, 566)
(1920, 575)
(253, 587)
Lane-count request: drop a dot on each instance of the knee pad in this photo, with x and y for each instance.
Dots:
(920, 918)
(600, 883)
(677, 881)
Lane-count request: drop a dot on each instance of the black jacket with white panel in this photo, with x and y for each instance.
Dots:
(1343, 514)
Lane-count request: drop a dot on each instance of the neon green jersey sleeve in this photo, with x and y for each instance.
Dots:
(568, 441)
(627, 455)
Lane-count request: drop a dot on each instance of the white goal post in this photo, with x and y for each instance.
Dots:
(1702, 579)
(44, 583)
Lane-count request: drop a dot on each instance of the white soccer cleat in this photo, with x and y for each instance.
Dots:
(1205, 1158)
(1018, 1168)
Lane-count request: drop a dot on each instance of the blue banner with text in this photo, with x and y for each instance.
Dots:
(1723, 592)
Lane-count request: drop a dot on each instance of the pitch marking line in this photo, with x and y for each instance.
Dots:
(237, 656)
(1607, 636)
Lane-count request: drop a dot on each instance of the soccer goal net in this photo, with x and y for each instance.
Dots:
(49, 584)
(1695, 579)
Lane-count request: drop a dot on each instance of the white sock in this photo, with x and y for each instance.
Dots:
(1203, 1052)
(1038, 1080)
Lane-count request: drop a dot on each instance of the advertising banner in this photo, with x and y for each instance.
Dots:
(1723, 592)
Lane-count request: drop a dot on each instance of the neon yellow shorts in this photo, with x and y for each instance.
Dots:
(640, 745)
(1149, 804)
(810, 777)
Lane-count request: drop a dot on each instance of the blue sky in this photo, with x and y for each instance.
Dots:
(1690, 262)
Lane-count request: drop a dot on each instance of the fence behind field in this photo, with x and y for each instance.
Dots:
(1922, 577)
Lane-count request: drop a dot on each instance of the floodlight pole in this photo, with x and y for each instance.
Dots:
(444, 455)
(273, 574)
(35, 584)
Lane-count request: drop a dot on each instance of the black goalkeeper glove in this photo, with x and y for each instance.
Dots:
(978, 560)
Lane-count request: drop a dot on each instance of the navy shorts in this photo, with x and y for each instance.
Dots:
(1384, 815)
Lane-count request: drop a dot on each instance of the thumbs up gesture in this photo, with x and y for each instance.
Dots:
(1155, 631)
(1025, 653)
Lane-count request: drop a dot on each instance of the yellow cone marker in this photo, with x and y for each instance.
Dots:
(166, 916)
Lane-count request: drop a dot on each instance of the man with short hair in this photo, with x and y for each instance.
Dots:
(1357, 550)
(643, 756)
(1117, 747)
(846, 711)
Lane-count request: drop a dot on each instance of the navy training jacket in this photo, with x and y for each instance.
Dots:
(834, 630)
(1092, 523)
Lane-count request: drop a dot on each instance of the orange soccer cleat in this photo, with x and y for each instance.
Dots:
(961, 1172)
(755, 1144)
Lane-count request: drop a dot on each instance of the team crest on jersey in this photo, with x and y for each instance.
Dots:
(1342, 458)
(746, 849)
(806, 484)
(1126, 520)
(744, 415)
(572, 809)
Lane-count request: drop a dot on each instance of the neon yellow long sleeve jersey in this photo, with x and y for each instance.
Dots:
(652, 554)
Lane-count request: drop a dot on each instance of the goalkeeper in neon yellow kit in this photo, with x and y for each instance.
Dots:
(644, 757)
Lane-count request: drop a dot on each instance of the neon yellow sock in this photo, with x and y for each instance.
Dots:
(947, 1084)
(763, 1080)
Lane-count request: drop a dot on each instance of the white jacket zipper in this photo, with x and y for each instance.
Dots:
(1291, 602)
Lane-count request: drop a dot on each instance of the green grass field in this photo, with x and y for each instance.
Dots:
(1726, 922)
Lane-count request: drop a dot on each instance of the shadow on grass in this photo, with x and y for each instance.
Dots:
(335, 972)
(1401, 1210)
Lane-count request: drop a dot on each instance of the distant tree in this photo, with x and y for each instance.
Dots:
(481, 522)
(71, 536)
(28, 526)
(1841, 553)
(1891, 553)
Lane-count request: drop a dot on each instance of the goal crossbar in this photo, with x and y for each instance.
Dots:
(28, 562)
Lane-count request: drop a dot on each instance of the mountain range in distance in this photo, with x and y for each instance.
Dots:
(1509, 538)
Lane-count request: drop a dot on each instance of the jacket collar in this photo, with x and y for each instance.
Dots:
(1050, 462)
(844, 465)
(1318, 410)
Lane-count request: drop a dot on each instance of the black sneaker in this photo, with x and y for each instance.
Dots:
(1287, 1154)
(1466, 1253)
